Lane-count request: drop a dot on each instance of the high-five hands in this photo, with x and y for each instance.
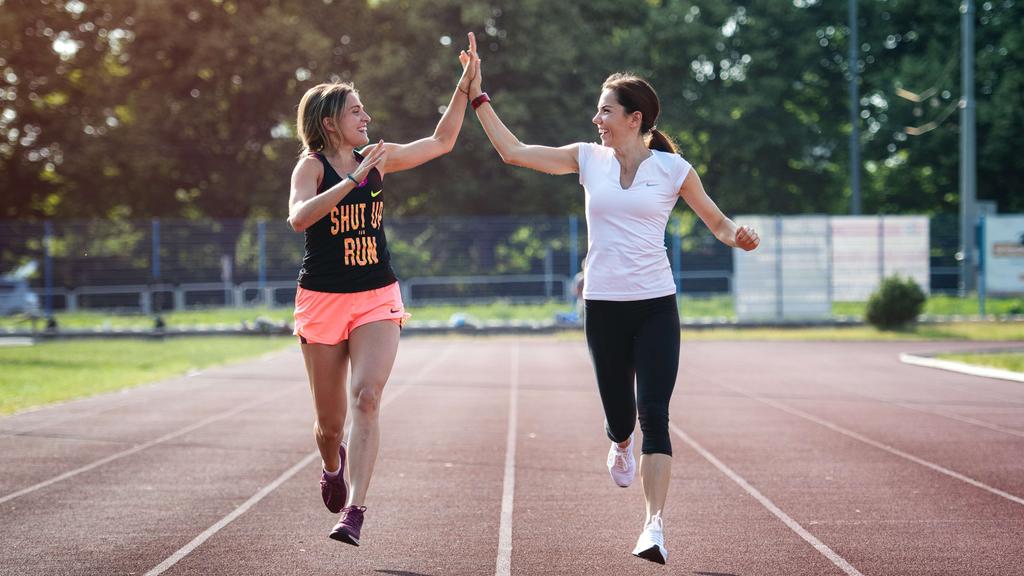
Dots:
(466, 58)
(746, 238)
(474, 62)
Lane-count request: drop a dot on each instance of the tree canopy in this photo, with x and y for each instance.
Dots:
(135, 108)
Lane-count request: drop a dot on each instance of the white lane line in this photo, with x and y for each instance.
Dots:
(918, 408)
(141, 447)
(952, 416)
(877, 444)
(503, 565)
(786, 519)
(196, 542)
(131, 398)
(962, 368)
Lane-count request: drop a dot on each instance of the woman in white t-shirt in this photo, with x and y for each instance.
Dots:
(632, 180)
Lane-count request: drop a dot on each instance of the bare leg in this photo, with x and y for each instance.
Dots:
(655, 472)
(373, 348)
(327, 367)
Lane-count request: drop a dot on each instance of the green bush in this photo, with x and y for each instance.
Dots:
(897, 302)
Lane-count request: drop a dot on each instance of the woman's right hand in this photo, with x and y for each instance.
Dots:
(476, 80)
(377, 157)
(466, 59)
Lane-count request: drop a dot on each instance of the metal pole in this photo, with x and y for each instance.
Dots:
(48, 268)
(981, 266)
(779, 310)
(155, 258)
(549, 265)
(574, 246)
(830, 274)
(881, 249)
(855, 207)
(968, 170)
(261, 231)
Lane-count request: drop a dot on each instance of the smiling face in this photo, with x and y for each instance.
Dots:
(349, 126)
(614, 125)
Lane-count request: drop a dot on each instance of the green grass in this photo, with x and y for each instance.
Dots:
(61, 370)
(944, 305)
(690, 307)
(1007, 361)
(494, 311)
(980, 331)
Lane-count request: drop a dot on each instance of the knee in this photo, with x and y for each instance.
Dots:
(653, 417)
(330, 431)
(367, 401)
(620, 430)
(654, 424)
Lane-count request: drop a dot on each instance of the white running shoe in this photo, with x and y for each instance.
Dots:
(651, 544)
(621, 464)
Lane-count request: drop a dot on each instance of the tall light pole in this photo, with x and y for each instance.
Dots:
(854, 113)
(968, 168)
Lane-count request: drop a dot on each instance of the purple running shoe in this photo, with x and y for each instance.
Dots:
(347, 529)
(333, 489)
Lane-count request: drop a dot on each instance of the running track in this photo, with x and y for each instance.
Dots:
(790, 459)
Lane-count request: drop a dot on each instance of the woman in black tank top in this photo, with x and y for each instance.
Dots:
(347, 304)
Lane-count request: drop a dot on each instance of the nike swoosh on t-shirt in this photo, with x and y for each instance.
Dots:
(375, 194)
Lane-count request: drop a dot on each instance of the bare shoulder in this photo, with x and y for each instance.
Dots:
(308, 174)
(308, 165)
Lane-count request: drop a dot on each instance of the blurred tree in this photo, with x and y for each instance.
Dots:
(129, 108)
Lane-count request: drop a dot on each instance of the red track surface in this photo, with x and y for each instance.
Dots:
(790, 458)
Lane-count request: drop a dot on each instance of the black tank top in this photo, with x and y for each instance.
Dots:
(346, 250)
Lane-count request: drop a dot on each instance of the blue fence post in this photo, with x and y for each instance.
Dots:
(261, 230)
(155, 258)
(981, 265)
(48, 267)
(574, 246)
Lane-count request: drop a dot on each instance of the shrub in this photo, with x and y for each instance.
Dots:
(896, 303)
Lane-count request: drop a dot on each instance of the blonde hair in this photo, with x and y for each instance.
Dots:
(319, 102)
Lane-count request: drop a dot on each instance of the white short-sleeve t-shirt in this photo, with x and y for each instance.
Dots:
(626, 254)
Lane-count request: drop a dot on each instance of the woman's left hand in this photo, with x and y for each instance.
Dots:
(746, 238)
(468, 70)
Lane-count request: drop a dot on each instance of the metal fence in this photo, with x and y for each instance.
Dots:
(177, 264)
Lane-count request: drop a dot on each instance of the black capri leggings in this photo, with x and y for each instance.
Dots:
(637, 339)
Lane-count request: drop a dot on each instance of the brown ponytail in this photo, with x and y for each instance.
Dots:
(657, 140)
(636, 94)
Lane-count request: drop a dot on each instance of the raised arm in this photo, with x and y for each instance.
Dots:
(561, 160)
(692, 191)
(442, 141)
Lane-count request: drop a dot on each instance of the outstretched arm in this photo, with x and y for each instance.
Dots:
(406, 156)
(561, 160)
(727, 232)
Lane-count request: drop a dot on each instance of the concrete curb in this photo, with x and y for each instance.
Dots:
(962, 368)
